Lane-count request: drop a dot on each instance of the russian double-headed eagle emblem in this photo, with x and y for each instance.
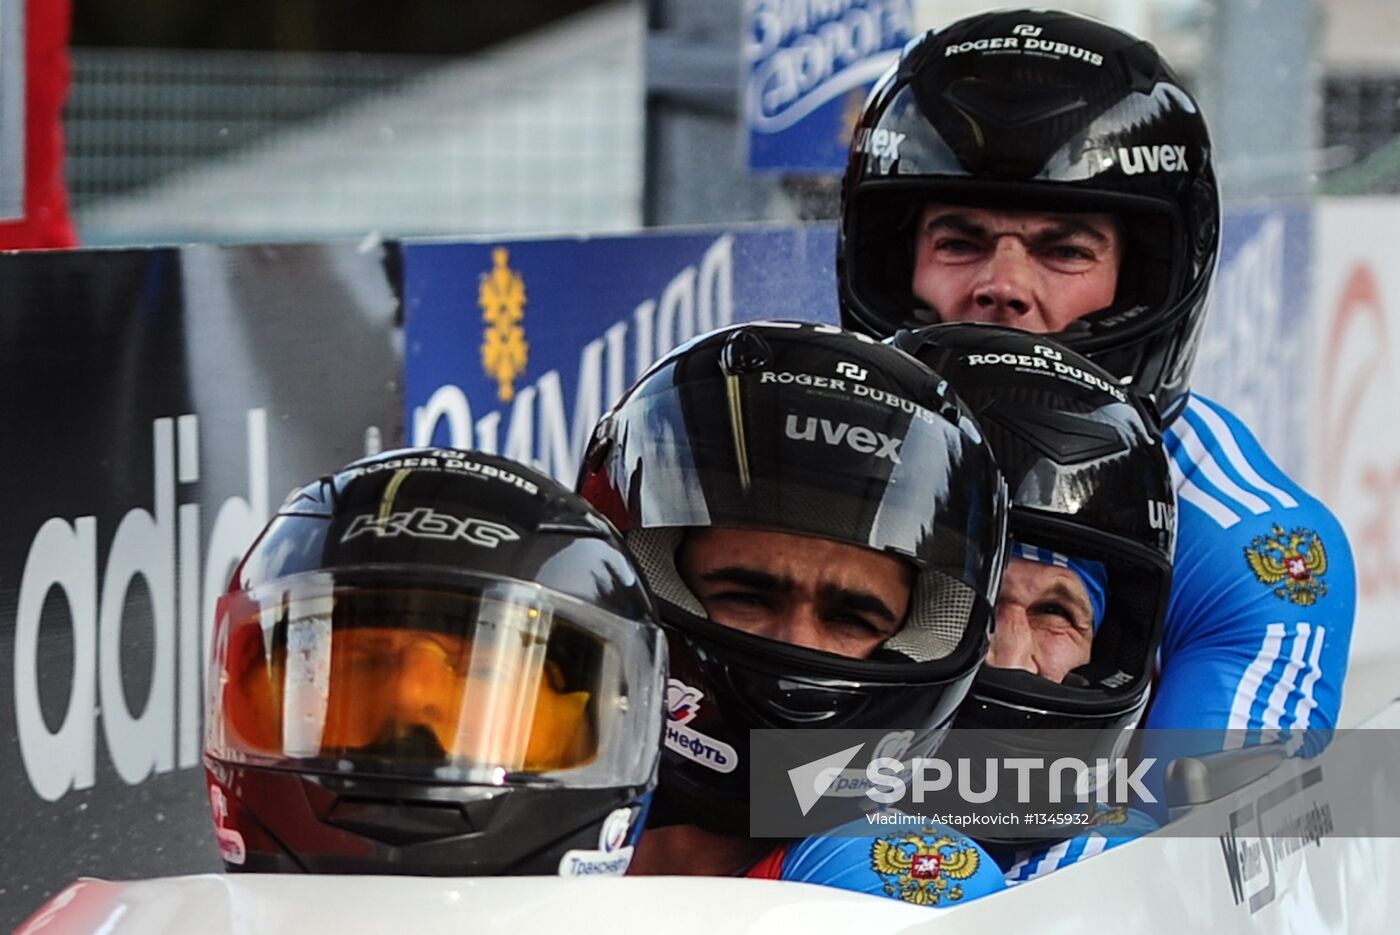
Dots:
(504, 349)
(1292, 563)
(925, 869)
(1103, 815)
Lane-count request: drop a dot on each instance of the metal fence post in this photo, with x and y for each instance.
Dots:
(1260, 98)
(694, 158)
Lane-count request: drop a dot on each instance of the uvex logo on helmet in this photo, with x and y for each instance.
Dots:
(882, 144)
(857, 437)
(427, 523)
(1164, 157)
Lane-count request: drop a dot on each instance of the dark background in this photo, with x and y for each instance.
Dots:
(95, 346)
(439, 27)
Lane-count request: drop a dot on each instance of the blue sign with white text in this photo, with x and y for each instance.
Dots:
(518, 347)
(809, 65)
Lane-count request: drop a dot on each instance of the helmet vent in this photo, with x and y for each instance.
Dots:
(1012, 107)
(399, 823)
(745, 352)
(1063, 437)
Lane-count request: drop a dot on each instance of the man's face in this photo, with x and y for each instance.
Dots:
(1031, 270)
(393, 689)
(802, 590)
(1045, 621)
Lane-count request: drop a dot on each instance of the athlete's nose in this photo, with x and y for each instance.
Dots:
(1013, 645)
(800, 625)
(427, 691)
(1003, 291)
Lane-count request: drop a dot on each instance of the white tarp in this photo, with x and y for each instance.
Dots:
(1351, 436)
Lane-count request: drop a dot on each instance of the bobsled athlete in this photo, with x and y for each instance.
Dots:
(823, 527)
(1049, 172)
(434, 662)
(1080, 610)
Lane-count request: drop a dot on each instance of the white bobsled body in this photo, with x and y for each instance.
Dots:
(1223, 869)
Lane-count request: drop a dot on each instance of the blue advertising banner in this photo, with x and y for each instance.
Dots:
(1252, 355)
(808, 66)
(518, 347)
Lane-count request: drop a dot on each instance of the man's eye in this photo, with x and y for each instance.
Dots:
(858, 623)
(370, 662)
(1069, 255)
(743, 598)
(956, 245)
(1059, 614)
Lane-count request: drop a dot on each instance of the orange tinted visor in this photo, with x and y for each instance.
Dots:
(408, 677)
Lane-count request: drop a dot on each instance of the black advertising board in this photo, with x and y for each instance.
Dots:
(158, 404)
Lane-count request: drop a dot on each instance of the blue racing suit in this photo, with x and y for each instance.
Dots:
(928, 865)
(1263, 589)
(1259, 625)
(1107, 829)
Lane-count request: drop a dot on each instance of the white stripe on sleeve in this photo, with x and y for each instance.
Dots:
(1231, 449)
(1249, 685)
(1288, 679)
(1203, 501)
(1308, 702)
(1051, 860)
(1196, 451)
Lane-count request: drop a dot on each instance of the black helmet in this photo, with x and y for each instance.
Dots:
(808, 430)
(1050, 111)
(419, 657)
(1090, 482)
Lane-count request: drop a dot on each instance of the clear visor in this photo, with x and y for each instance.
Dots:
(1078, 624)
(810, 454)
(470, 681)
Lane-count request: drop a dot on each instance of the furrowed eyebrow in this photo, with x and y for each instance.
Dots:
(958, 224)
(1060, 230)
(862, 601)
(748, 577)
(1066, 230)
(1065, 594)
